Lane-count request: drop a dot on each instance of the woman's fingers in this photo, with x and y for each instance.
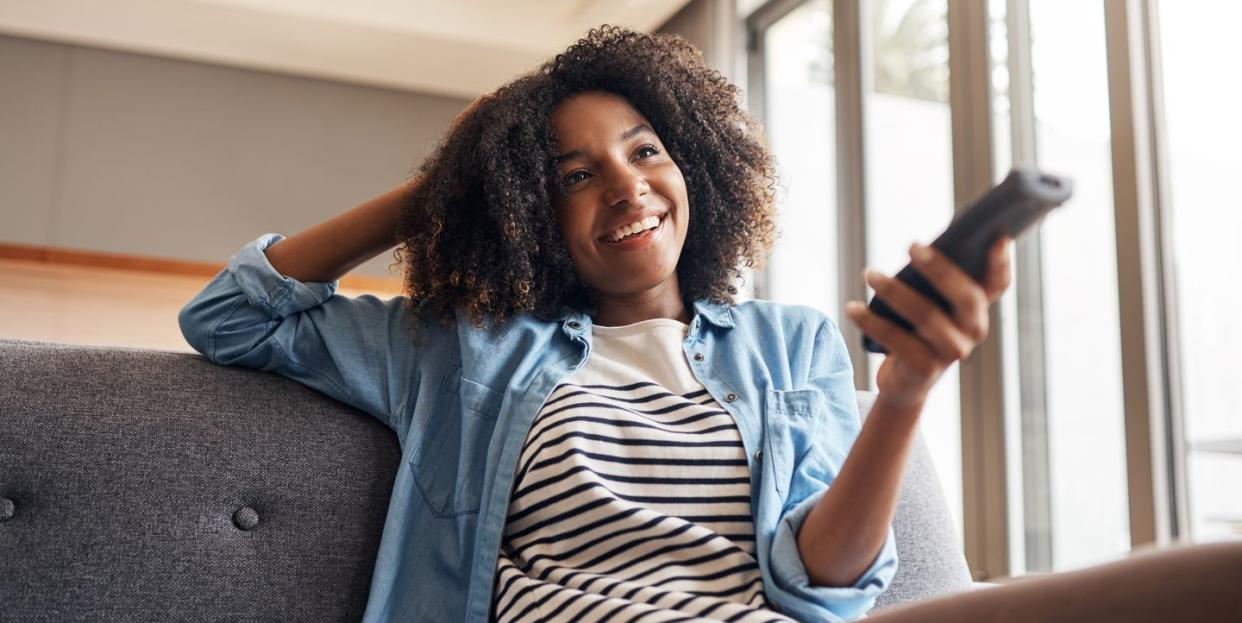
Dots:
(965, 295)
(930, 322)
(997, 278)
(896, 340)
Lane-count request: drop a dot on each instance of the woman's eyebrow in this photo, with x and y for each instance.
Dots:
(636, 130)
(626, 135)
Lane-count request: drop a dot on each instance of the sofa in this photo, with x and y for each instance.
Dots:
(144, 485)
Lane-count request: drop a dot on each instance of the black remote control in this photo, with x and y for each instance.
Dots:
(1018, 202)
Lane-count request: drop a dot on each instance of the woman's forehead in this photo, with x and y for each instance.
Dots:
(596, 112)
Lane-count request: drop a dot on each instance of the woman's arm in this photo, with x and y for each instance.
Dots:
(334, 247)
(841, 537)
(274, 308)
(843, 534)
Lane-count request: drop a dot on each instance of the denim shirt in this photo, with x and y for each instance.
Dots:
(462, 399)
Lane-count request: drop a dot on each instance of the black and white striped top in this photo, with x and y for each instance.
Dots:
(632, 496)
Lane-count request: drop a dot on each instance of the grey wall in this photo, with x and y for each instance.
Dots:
(126, 153)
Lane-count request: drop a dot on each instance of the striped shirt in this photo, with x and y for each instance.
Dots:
(632, 496)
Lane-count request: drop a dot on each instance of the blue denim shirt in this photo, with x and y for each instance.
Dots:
(462, 399)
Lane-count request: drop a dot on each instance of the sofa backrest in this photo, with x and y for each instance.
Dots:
(135, 484)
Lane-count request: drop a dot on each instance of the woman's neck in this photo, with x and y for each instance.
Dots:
(623, 310)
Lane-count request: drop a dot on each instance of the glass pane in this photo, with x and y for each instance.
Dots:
(910, 180)
(801, 128)
(1086, 443)
(1204, 130)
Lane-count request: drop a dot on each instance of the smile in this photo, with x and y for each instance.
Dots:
(641, 239)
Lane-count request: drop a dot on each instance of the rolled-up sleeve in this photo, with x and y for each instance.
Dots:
(832, 603)
(267, 289)
(355, 350)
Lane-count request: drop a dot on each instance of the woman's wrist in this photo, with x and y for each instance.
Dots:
(890, 406)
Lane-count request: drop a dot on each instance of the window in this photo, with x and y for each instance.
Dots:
(1082, 361)
(1067, 500)
(1204, 131)
(909, 170)
(1065, 432)
(799, 105)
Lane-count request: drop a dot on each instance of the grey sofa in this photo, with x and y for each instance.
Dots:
(140, 485)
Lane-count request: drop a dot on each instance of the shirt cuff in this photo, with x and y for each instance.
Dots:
(846, 602)
(265, 288)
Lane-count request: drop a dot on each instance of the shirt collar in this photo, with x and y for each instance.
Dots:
(716, 313)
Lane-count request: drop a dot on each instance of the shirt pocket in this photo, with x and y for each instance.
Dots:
(451, 458)
(791, 424)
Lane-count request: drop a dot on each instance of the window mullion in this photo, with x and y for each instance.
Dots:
(1175, 429)
(984, 486)
(1032, 390)
(1144, 374)
(851, 70)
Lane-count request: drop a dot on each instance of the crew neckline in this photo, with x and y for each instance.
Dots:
(642, 325)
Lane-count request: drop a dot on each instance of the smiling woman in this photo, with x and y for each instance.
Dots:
(595, 430)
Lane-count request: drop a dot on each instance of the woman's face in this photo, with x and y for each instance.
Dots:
(618, 177)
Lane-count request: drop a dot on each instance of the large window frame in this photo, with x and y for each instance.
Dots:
(994, 515)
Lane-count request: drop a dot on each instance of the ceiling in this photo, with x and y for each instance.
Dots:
(454, 47)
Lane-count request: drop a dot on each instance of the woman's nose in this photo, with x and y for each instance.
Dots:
(625, 185)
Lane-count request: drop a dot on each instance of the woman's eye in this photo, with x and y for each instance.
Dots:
(574, 178)
(646, 151)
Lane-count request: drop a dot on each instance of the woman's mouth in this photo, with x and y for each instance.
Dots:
(640, 239)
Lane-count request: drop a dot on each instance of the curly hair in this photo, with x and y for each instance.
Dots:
(478, 232)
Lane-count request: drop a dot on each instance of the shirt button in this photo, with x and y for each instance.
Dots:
(730, 397)
(698, 356)
(758, 456)
(573, 324)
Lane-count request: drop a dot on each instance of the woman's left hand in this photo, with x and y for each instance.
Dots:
(916, 360)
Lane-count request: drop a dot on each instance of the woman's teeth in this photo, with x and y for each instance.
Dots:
(633, 228)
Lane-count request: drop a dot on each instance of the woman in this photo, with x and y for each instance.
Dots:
(591, 428)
